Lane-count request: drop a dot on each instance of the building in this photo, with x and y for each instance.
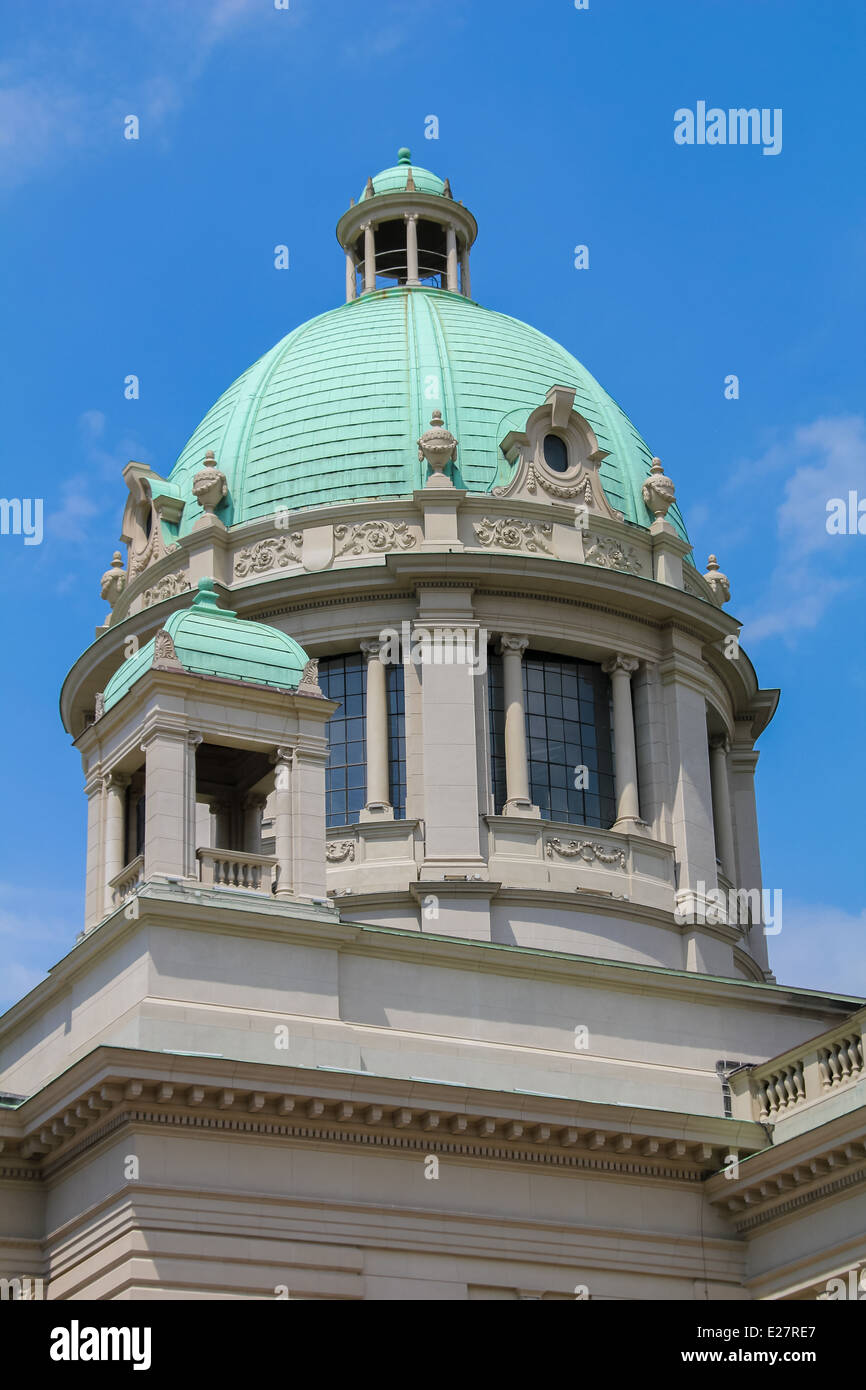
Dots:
(425, 947)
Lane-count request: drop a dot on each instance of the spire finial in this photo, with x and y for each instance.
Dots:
(404, 155)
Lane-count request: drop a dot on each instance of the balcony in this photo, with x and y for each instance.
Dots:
(225, 868)
(828, 1070)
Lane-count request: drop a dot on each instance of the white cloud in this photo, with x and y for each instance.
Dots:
(820, 947)
(36, 926)
(68, 94)
(825, 459)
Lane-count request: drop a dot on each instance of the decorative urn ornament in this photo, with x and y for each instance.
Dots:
(718, 582)
(209, 485)
(659, 493)
(113, 581)
(439, 448)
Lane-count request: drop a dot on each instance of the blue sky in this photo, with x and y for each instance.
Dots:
(155, 257)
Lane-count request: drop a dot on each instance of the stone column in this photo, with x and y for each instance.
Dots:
(721, 795)
(283, 765)
(451, 736)
(95, 880)
(369, 257)
(192, 742)
(115, 785)
(743, 762)
(351, 281)
(308, 791)
(412, 248)
(222, 814)
(517, 800)
(378, 789)
(254, 805)
(683, 676)
(451, 259)
(465, 285)
(169, 817)
(620, 669)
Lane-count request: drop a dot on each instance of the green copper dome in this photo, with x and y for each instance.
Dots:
(393, 180)
(334, 411)
(212, 641)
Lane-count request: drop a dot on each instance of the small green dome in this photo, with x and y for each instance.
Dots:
(393, 180)
(213, 641)
(334, 411)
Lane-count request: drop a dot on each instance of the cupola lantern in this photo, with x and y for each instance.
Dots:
(406, 230)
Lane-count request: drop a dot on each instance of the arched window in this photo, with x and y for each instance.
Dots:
(344, 679)
(556, 453)
(568, 735)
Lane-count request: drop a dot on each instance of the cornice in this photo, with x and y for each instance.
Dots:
(797, 1172)
(114, 1088)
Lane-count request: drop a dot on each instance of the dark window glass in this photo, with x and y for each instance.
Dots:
(140, 813)
(556, 453)
(558, 743)
(397, 740)
(344, 679)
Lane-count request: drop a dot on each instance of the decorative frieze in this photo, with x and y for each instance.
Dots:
(512, 533)
(274, 553)
(338, 851)
(588, 850)
(168, 587)
(612, 554)
(373, 537)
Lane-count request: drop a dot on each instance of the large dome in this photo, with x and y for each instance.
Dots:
(333, 412)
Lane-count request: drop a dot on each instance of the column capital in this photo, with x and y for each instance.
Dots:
(256, 801)
(115, 780)
(720, 743)
(283, 754)
(410, 216)
(372, 647)
(620, 664)
(513, 642)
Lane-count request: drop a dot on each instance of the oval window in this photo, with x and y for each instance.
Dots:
(556, 453)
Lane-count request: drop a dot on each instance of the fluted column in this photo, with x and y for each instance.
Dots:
(378, 779)
(283, 766)
(351, 281)
(517, 800)
(465, 284)
(451, 259)
(114, 785)
(620, 668)
(721, 796)
(369, 257)
(412, 248)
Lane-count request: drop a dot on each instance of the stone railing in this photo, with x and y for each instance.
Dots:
(126, 882)
(774, 1090)
(229, 868)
